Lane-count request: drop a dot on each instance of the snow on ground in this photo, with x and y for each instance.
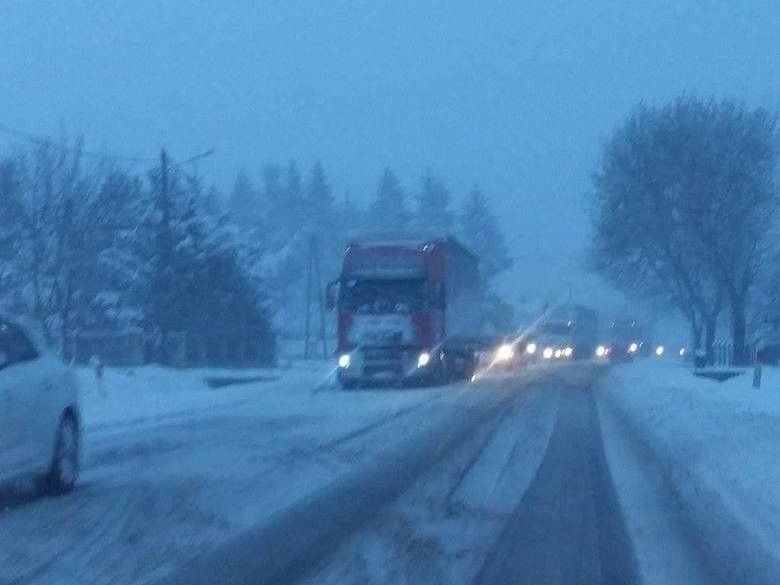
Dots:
(174, 468)
(717, 446)
(132, 395)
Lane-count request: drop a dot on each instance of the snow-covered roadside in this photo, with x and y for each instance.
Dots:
(174, 468)
(152, 393)
(716, 446)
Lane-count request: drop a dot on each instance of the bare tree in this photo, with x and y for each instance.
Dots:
(683, 203)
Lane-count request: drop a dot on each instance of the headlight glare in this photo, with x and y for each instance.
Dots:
(504, 353)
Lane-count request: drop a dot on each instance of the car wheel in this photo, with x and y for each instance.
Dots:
(64, 469)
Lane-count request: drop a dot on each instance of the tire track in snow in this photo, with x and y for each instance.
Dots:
(267, 555)
(101, 528)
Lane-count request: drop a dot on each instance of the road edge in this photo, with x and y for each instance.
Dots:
(723, 539)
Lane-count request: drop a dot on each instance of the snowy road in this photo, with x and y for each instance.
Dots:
(158, 491)
(568, 527)
(528, 478)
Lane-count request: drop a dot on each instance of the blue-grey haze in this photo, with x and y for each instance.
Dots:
(518, 96)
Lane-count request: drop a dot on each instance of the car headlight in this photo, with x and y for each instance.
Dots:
(659, 351)
(504, 353)
(344, 361)
(531, 348)
(633, 347)
(547, 353)
(423, 359)
(601, 351)
(558, 353)
(568, 352)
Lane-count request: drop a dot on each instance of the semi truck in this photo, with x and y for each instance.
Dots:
(408, 310)
(566, 331)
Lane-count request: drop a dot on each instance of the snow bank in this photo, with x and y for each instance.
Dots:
(129, 396)
(717, 446)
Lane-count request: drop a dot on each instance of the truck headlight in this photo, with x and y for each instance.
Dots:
(504, 353)
(531, 348)
(423, 359)
(344, 361)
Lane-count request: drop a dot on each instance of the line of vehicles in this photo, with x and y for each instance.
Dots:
(409, 311)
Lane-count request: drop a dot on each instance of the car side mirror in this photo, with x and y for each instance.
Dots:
(4, 359)
(330, 295)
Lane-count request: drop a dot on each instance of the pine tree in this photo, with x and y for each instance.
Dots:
(198, 282)
(277, 231)
(433, 206)
(389, 210)
(243, 200)
(480, 230)
(295, 196)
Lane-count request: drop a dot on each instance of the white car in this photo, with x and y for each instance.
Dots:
(39, 412)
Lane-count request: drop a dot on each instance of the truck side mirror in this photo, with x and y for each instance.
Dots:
(330, 295)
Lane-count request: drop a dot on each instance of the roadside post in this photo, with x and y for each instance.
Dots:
(757, 370)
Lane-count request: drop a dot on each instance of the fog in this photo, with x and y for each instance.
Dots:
(516, 96)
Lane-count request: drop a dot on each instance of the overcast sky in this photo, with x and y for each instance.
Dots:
(518, 96)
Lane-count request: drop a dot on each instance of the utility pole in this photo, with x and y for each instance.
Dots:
(164, 255)
(306, 333)
(318, 277)
(314, 281)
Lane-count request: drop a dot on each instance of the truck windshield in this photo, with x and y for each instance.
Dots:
(383, 296)
(556, 328)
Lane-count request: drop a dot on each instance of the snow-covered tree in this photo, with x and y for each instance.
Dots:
(433, 206)
(481, 232)
(199, 281)
(388, 211)
(320, 204)
(245, 205)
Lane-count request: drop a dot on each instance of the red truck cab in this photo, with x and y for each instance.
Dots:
(405, 308)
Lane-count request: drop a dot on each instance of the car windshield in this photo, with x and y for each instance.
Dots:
(15, 345)
(389, 292)
(383, 296)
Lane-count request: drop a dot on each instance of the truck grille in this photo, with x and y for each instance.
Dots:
(383, 360)
(383, 354)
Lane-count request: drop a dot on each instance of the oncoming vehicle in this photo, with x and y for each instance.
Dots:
(408, 311)
(39, 418)
(566, 332)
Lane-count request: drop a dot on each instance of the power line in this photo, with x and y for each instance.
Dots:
(65, 147)
(4, 128)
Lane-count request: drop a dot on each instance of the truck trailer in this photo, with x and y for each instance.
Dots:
(408, 309)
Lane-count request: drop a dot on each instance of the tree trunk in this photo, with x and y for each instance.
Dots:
(696, 336)
(739, 332)
(710, 330)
